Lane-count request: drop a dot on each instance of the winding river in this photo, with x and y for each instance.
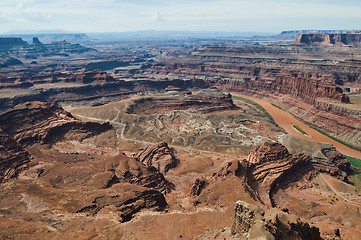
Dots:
(285, 120)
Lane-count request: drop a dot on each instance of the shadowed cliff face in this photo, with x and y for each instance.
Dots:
(271, 167)
(306, 89)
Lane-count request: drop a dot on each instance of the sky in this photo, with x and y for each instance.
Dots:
(182, 15)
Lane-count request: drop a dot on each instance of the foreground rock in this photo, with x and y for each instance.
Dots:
(160, 156)
(253, 222)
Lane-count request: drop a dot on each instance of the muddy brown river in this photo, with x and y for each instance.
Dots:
(285, 120)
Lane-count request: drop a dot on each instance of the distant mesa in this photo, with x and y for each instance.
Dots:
(17, 47)
(51, 37)
(351, 39)
(11, 42)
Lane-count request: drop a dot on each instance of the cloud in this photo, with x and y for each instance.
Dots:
(218, 15)
(21, 13)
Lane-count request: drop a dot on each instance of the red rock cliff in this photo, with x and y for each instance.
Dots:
(323, 39)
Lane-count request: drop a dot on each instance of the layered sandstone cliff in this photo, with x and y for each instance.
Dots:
(20, 48)
(329, 39)
(267, 169)
(271, 167)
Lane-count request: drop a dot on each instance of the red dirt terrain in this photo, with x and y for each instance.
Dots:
(107, 193)
(141, 140)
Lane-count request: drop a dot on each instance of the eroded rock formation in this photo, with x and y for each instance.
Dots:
(126, 199)
(120, 183)
(160, 156)
(255, 223)
(20, 48)
(198, 186)
(37, 122)
(268, 168)
(132, 171)
(6, 61)
(328, 39)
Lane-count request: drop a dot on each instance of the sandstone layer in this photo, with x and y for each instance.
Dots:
(331, 39)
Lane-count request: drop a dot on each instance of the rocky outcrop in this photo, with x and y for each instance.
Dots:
(46, 123)
(119, 182)
(328, 39)
(198, 186)
(132, 171)
(95, 76)
(268, 168)
(126, 200)
(255, 223)
(56, 37)
(90, 88)
(160, 156)
(308, 89)
(36, 41)
(273, 167)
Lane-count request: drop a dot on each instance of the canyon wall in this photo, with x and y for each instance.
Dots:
(328, 39)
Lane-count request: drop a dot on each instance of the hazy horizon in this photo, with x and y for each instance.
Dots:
(160, 15)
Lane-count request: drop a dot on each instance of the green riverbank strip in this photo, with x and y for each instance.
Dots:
(278, 107)
(337, 140)
(260, 108)
(354, 161)
(355, 178)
